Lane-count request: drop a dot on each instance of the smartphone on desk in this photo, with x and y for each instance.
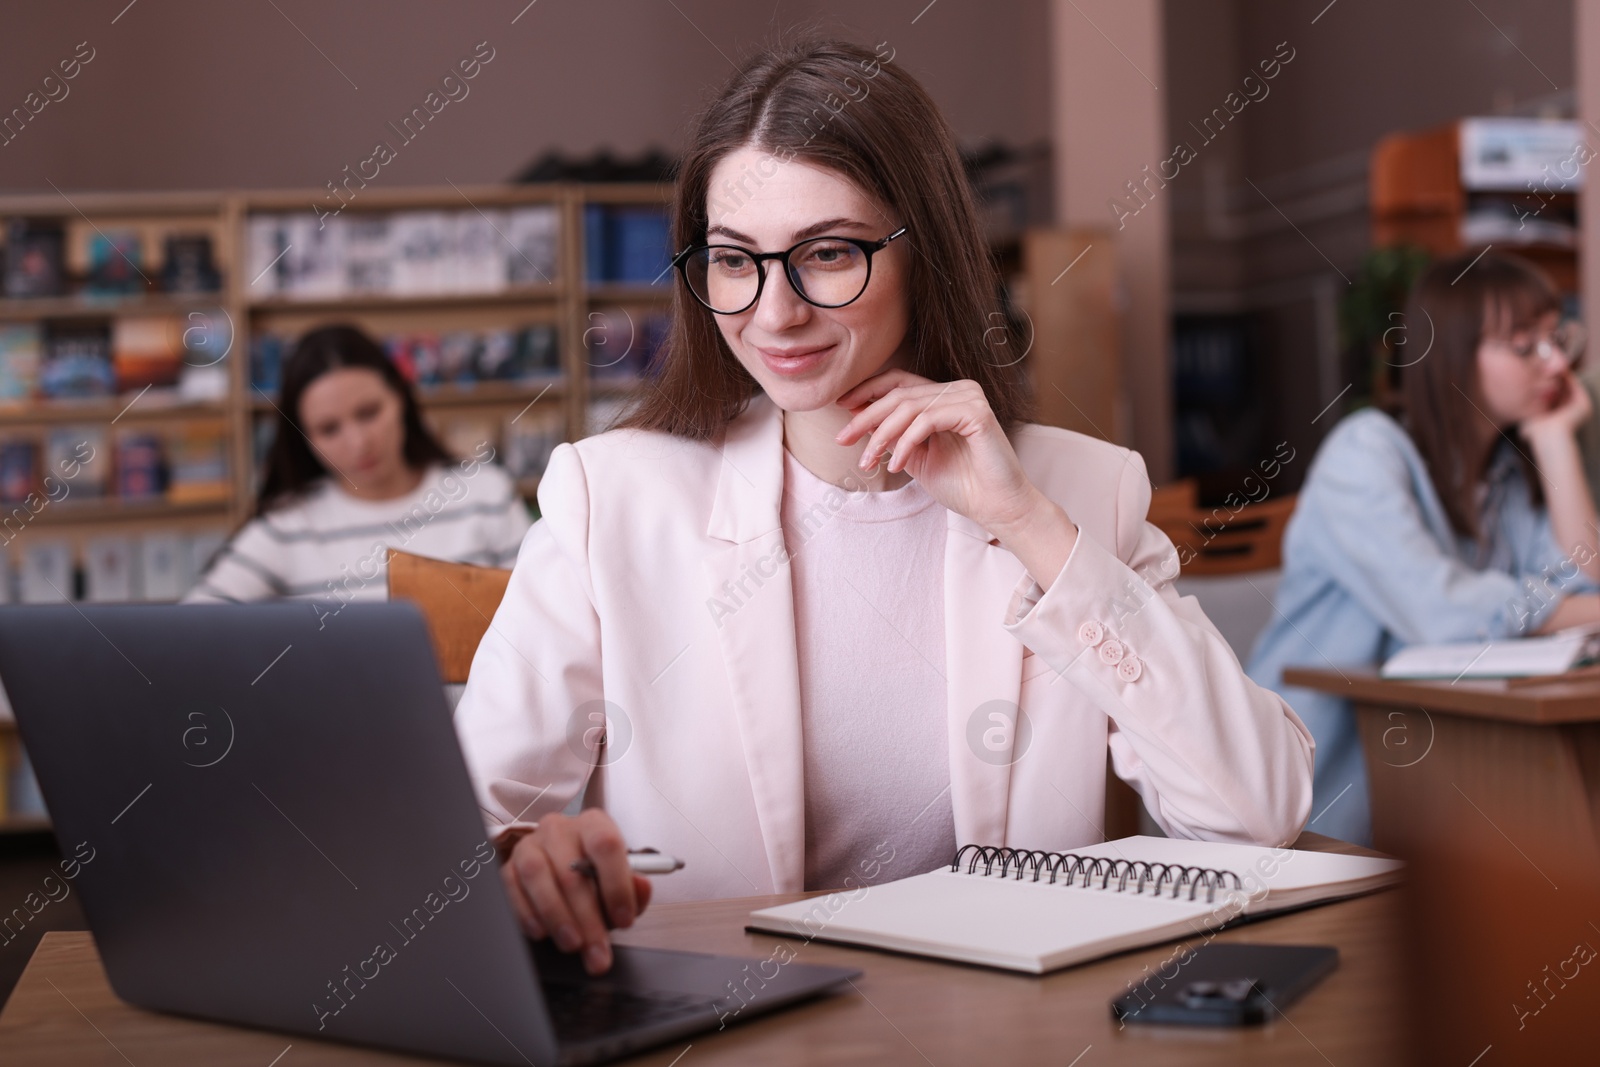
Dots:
(1224, 985)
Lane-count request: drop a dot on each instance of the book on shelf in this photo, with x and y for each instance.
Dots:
(422, 241)
(401, 253)
(35, 258)
(197, 465)
(1512, 153)
(108, 569)
(140, 466)
(531, 232)
(267, 353)
(623, 342)
(265, 241)
(205, 384)
(529, 437)
(416, 355)
(79, 456)
(479, 263)
(368, 253)
(19, 469)
(146, 351)
(76, 363)
(535, 354)
(205, 340)
(627, 243)
(188, 265)
(21, 352)
(200, 548)
(312, 266)
(161, 565)
(456, 357)
(1502, 219)
(46, 575)
(1038, 911)
(641, 252)
(116, 262)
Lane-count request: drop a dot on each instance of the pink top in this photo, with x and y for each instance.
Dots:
(868, 576)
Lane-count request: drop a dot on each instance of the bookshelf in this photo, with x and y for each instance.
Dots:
(591, 318)
(579, 306)
(1506, 182)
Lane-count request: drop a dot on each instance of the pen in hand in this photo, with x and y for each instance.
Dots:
(640, 861)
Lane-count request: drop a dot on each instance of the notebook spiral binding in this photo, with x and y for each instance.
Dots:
(1015, 862)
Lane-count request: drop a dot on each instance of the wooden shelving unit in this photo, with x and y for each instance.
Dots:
(567, 302)
(1417, 197)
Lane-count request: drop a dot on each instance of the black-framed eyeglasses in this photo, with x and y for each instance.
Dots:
(828, 272)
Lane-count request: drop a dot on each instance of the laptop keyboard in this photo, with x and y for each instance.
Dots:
(582, 1012)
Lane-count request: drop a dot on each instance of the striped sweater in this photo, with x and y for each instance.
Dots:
(332, 546)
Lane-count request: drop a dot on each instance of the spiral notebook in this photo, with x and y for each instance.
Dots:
(1040, 911)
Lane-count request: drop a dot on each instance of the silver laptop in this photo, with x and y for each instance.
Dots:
(273, 826)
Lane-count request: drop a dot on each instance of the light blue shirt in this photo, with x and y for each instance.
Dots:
(1371, 564)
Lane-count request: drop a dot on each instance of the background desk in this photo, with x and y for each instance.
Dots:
(1452, 762)
(903, 1010)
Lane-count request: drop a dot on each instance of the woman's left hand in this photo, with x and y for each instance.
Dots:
(944, 435)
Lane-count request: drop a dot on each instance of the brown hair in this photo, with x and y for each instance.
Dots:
(847, 108)
(1462, 300)
(291, 466)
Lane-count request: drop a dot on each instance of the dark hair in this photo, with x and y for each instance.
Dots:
(849, 109)
(291, 466)
(1460, 301)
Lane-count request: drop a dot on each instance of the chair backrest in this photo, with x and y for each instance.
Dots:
(1222, 539)
(457, 602)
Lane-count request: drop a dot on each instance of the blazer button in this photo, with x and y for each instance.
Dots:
(1091, 633)
(1130, 669)
(1111, 652)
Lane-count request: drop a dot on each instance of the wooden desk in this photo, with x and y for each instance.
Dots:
(903, 1010)
(1457, 761)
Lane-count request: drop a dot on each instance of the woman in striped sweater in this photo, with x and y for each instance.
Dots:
(353, 472)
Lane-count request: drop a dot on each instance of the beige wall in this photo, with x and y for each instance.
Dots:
(1110, 123)
(193, 94)
(1586, 36)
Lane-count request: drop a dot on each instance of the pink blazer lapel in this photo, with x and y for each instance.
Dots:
(752, 601)
(983, 673)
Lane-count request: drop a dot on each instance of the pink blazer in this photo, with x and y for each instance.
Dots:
(653, 600)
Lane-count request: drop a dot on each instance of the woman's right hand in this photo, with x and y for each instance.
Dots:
(552, 899)
(1571, 410)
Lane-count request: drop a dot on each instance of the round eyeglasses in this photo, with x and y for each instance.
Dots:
(1564, 344)
(828, 272)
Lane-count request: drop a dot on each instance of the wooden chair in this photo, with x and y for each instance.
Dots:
(457, 602)
(1221, 540)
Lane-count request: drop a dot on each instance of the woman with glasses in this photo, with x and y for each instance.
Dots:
(825, 605)
(1464, 517)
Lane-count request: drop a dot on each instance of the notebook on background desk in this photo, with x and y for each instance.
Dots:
(1546, 656)
(1040, 911)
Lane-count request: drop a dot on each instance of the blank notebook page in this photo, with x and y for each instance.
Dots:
(1037, 926)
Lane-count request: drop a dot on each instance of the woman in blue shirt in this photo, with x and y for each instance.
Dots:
(1467, 518)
